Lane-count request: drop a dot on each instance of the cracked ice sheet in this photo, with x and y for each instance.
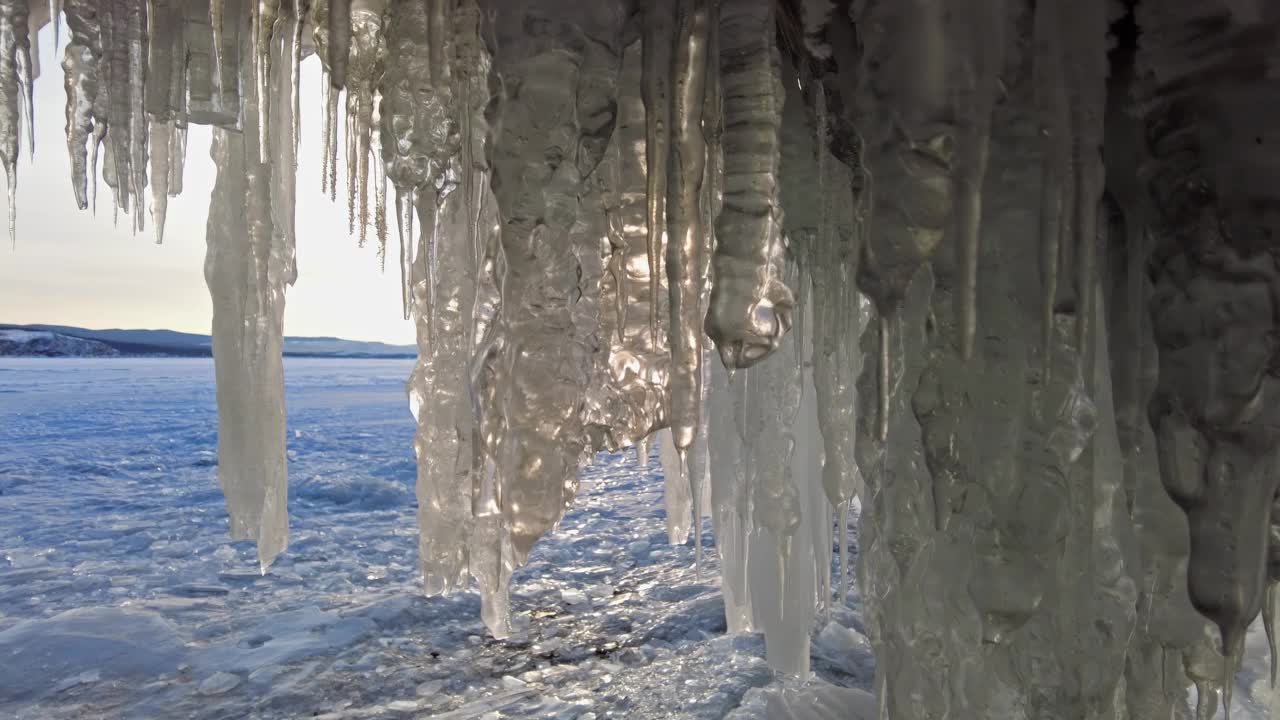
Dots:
(612, 617)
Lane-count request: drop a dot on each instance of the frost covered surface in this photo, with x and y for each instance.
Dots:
(128, 597)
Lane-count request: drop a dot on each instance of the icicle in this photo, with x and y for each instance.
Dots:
(15, 94)
(686, 165)
(80, 63)
(177, 160)
(55, 17)
(675, 489)
(985, 50)
(1269, 625)
(278, 138)
(138, 133)
(264, 16)
(883, 388)
(405, 210)
(750, 306)
(161, 145)
(655, 79)
(247, 268)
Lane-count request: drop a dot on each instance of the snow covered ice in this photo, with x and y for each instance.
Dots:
(127, 599)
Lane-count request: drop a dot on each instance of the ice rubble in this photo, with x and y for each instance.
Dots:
(582, 190)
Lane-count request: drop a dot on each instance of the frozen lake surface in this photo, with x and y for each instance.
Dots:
(122, 597)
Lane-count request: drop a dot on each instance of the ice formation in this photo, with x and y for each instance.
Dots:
(1041, 235)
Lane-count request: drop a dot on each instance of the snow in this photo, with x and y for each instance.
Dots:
(118, 581)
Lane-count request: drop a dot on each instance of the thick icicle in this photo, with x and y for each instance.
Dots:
(247, 268)
(80, 63)
(684, 220)
(15, 95)
(750, 306)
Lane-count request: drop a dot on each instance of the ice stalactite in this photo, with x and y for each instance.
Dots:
(659, 19)
(364, 73)
(984, 43)
(15, 96)
(247, 267)
(750, 305)
(675, 490)
(685, 239)
(80, 65)
(558, 102)
(166, 103)
(629, 400)
(420, 145)
(729, 502)
(1211, 173)
(910, 133)
(263, 26)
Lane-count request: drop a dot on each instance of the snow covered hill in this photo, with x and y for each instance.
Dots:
(167, 343)
(37, 343)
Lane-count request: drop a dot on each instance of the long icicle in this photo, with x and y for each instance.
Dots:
(686, 163)
(656, 69)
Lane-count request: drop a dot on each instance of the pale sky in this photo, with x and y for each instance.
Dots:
(72, 268)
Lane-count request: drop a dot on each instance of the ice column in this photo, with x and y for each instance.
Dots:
(247, 266)
(1211, 175)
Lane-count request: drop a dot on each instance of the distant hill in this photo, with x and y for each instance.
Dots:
(62, 340)
(33, 343)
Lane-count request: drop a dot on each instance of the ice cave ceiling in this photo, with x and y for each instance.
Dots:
(1037, 239)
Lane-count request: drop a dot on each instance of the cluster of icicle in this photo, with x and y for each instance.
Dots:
(583, 199)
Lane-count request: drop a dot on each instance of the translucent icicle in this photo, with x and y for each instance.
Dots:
(15, 93)
(686, 165)
(161, 145)
(138, 134)
(675, 490)
(246, 269)
(80, 64)
(655, 80)
(265, 13)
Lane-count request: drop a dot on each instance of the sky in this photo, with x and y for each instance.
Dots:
(70, 267)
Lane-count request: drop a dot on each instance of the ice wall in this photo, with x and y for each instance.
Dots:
(1042, 246)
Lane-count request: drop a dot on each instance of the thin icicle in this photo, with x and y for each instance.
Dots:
(883, 388)
(1269, 624)
(686, 164)
(655, 90)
